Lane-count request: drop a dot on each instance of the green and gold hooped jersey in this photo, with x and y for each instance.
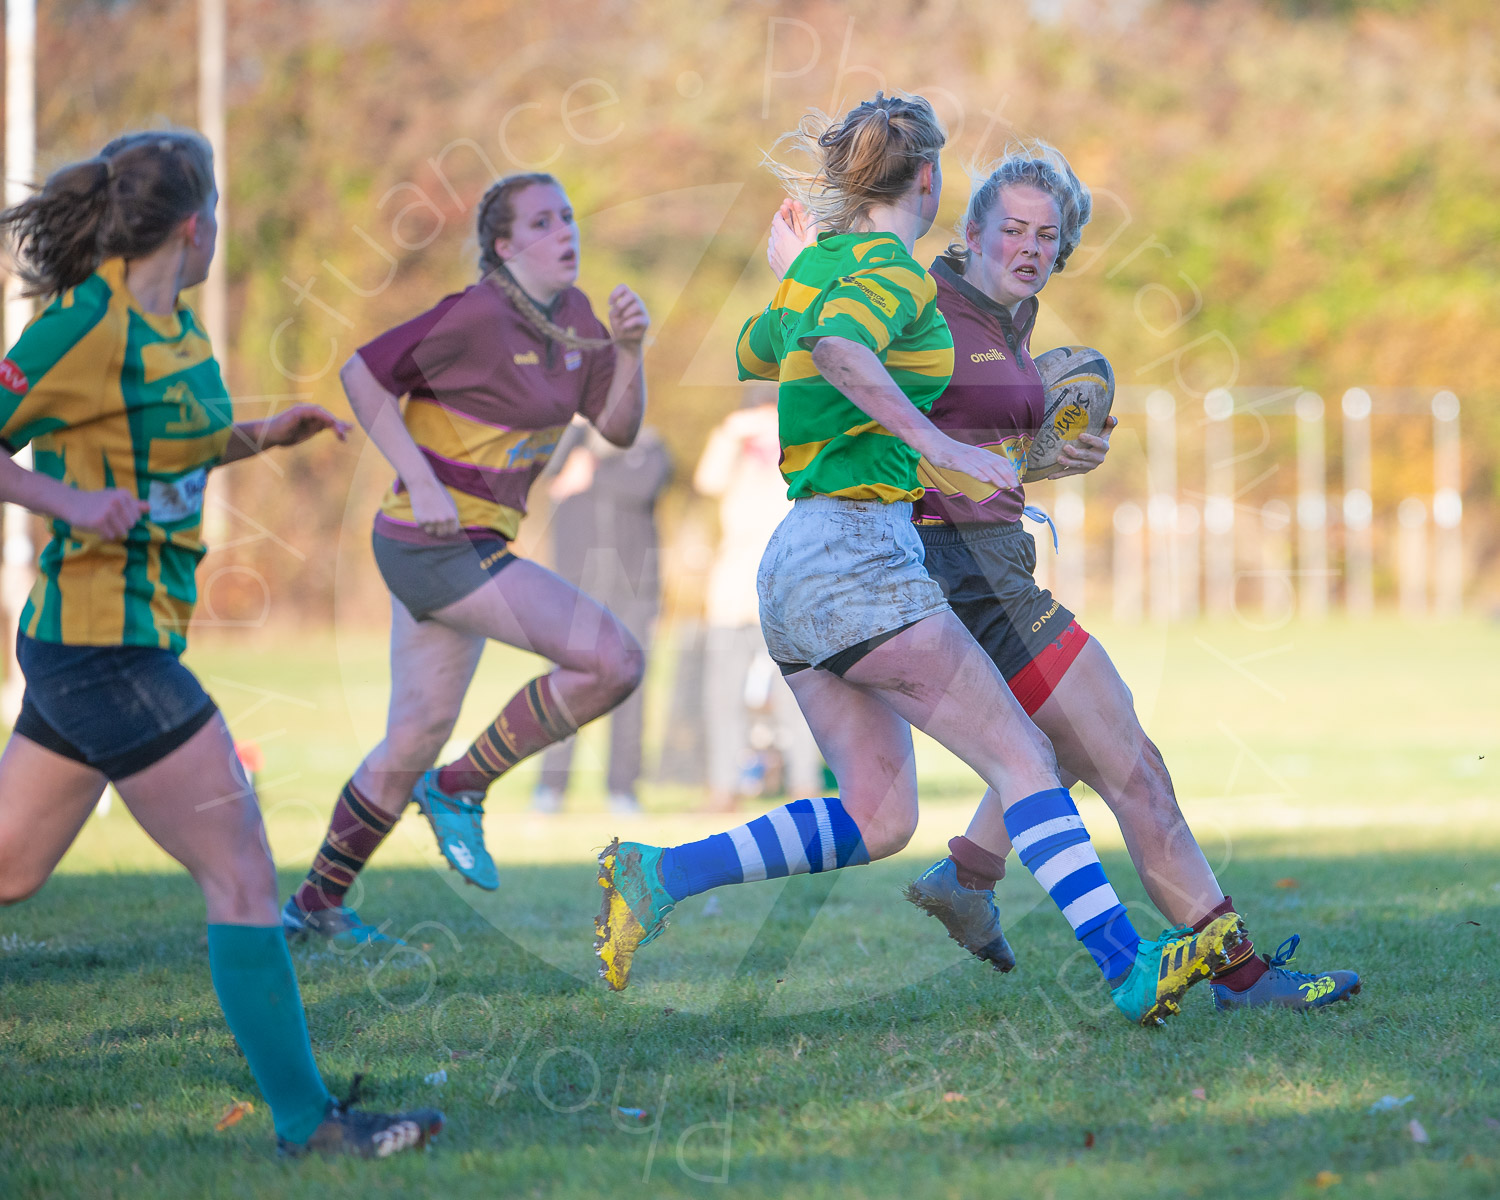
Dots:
(110, 395)
(865, 287)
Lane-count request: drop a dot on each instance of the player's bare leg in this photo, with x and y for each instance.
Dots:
(44, 800)
(934, 676)
(1091, 720)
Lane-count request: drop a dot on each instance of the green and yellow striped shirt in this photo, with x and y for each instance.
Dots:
(867, 288)
(110, 395)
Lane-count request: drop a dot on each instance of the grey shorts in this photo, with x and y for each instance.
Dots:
(837, 578)
(426, 578)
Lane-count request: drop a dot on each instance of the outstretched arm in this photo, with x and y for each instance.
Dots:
(289, 428)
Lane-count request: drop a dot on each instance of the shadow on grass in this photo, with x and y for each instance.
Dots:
(924, 1087)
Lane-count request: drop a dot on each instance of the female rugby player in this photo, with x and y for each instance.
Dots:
(115, 388)
(1023, 222)
(492, 377)
(864, 636)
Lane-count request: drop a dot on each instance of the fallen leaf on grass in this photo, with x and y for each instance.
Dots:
(1418, 1134)
(954, 1097)
(1325, 1179)
(1287, 883)
(234, 1114)
(1088, 1140)
(1200, 1094)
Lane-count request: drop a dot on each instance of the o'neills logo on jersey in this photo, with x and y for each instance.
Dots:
(990, 355)
(12, 378)
(529, 358)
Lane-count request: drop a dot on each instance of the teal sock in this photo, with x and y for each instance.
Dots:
(252, 973)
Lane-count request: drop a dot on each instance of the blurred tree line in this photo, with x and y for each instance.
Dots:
(1298, 193)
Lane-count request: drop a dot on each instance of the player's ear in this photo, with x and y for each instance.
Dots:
(924, 178)
(190, 229)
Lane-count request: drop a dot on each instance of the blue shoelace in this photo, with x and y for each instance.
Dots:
(1041, 518)
(1284, 954)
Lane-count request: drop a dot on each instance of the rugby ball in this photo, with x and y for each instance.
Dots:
(1080, 390)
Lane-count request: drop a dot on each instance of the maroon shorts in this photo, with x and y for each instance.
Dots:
(988, 574)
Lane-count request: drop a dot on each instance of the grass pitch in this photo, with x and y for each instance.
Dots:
(818, 1037)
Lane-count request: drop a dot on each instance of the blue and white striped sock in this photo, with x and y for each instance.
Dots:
(805, 835)
(1053, 845)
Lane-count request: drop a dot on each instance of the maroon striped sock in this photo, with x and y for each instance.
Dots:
(531, 721)
(354, 831)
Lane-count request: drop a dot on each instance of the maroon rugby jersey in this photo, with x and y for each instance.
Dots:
(995, 400)
(488, 398)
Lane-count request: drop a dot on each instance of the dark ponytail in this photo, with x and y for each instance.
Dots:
(124, 203)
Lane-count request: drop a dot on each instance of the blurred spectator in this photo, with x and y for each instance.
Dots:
(604, 541)
(740, 469)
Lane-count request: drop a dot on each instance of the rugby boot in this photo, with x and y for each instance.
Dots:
(633, 910)
(968, 914)
(1166, 968)
(1281, 988)
(350, 1130)
(458, 824)
(341, 926)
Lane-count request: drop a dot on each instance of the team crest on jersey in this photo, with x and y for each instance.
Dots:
(1014, 449)
(192, 417)
(13, 379)
(531, 448)
(877, 295)
(573, 359)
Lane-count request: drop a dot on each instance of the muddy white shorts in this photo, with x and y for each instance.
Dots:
(838, 578)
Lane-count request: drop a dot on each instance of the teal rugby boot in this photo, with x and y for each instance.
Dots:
(1165, 969)
(458, 824)
(342, 926)
(633, 909)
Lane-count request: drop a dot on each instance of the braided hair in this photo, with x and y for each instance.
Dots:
(497, 214)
